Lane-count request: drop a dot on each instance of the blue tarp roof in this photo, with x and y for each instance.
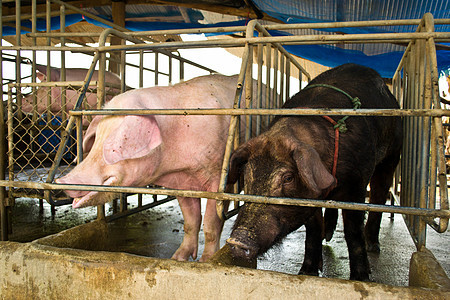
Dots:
(382, 57)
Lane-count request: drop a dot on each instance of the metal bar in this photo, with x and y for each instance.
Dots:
(63, 64)
(92, 49)
(75, 84)
(49, 69)
(123, 202)
(10, 137)
(123, 73)
(101, 80)
(156, 68)
(289, 40)
(288, 79)
(275, 78)
(3, 154)
(424, 138)
(18, 59)
(282, 81)
(140, 200)
(138, 209)
(267, 27)
(141, 68)
(442, 225)
(268, 78)
(236, 197)
(249, 93)
(232, 131)
(170, 70)
(285, 40)
(274, 111)
(259, 85)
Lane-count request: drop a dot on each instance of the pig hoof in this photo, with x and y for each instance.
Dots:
(328, 235)
(373, 248)
(305, 271)
(364, 276)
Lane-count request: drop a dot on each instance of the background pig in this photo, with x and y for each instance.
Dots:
(294, 158)
(75, 74)
(182, 152)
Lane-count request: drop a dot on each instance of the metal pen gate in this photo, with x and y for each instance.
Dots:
(423, 170)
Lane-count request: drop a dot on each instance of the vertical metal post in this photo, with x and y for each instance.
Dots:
(101, 80)
(3, 211)
(34, 116)
(123, 64)
(10, 119)
(18, 58)
(156, 68)
(268, 70)
(141, 68)
(170, 69)
(118, 16)
(275, 77)
(249, 93)
(100, 100)
(181, 70)
(259, 85)
(232, 130)
(123, 202)
(139, 200)
(63, 64)
(438, 141)
(49, 70)
(281, 99)
(424, 97)
(288, 78)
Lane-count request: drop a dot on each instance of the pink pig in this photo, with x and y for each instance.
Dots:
(75, 74)
(181, 152)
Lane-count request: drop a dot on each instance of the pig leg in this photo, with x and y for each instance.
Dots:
(212, 228)
(379, 189)
(330, 221)
(354, 236)
(312, 262)
(190, 207)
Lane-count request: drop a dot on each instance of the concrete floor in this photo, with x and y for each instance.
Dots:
(158, 232)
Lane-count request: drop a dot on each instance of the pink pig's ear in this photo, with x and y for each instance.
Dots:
(41, 73)
(135, 137)
(89, 136)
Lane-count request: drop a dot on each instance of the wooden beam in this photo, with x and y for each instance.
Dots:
(243, 11)
(118, 15)
(213, 6)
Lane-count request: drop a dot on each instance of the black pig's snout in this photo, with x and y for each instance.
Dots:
(242, 250)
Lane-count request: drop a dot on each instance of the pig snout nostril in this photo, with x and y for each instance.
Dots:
(239, 248)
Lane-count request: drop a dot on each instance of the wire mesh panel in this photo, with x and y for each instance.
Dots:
(36, 123)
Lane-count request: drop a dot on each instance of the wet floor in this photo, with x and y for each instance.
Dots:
(158, 232)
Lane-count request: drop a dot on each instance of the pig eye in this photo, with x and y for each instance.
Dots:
(288, 178)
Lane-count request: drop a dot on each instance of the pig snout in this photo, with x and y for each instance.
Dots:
(70, 193)
(242, 246)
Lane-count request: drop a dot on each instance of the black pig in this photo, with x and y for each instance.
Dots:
(295, 158)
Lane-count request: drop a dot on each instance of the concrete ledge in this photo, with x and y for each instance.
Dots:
(425, 271)
(51, 268)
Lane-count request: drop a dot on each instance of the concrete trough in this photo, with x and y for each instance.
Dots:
(72, 265)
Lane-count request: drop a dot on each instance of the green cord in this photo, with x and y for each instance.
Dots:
(355, 101)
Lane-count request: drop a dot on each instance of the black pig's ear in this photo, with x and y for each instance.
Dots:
(237, 162)
(313, 172)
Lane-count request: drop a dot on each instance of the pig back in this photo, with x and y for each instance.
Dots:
(367, 139)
